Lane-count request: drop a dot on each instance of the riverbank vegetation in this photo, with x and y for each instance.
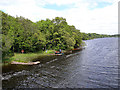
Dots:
(19, 33)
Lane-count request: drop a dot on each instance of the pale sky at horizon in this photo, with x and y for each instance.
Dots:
(89, 16)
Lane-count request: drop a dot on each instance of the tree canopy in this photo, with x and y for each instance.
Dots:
(21, 33)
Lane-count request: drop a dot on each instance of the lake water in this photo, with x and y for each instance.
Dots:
(96, 66)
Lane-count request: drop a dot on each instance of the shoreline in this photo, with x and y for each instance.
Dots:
(30, 58)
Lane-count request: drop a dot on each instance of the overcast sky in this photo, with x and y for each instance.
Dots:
(89, 16)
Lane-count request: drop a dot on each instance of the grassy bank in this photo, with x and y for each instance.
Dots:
(26, 57)
(29, 57)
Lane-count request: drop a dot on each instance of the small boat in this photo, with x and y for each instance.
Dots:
(29, 63)
(59, 53)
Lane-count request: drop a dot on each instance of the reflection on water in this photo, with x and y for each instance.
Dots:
(94, 67)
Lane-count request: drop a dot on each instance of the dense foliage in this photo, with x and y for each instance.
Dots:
(20, 33)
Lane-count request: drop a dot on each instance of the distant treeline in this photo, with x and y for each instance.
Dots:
(20, 33)
(88, 36)
(116, 35)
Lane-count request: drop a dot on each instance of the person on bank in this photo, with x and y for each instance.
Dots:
(60, 51)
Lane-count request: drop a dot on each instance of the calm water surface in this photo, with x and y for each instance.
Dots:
(96, 66)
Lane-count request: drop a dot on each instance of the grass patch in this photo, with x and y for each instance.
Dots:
(27, 57)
